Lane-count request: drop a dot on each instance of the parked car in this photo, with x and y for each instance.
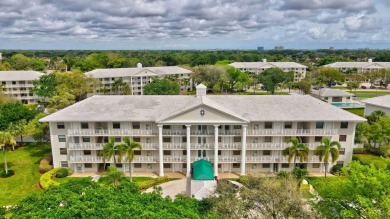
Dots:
(363, 87)
(373, 87)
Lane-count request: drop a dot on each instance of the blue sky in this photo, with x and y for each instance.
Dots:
(194, 24)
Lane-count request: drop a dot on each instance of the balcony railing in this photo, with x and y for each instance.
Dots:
(293, 132)
(275, 146)
(85, 146)
(98, 159)
(110, 132)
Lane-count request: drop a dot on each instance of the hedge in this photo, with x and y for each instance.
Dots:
(45, 164)
(367, 159)
(360, 151)
(46, 179)
(150, 183)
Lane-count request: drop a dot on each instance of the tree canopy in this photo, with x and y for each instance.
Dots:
(272, 78)
(162, 86)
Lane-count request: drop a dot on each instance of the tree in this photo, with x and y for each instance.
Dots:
(185, 82)
(109, 150)
(118, 85)
(328, 149)
(331, 75)
(45, 86)
(299, 174)
(113, 175)
(13, 112)
(352, 85)
(380, 132)
(127, 149)
(208, 75)
(272, 78)
(304, 86)
(161, 87)
(39, 130)
(375, 116)
(75, 83)
(20, 62)
(362, 131)
(60, 101)
(18, 129)
(296, 149)
(6, 140)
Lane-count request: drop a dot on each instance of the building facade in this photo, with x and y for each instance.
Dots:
(242, 134)
(18, 85)
(138, 77)
(377, 103)
(332, 95)
(258, 67)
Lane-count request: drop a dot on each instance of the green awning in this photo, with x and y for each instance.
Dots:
(203, 170)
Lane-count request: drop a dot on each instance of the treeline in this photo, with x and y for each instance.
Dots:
(88, 60)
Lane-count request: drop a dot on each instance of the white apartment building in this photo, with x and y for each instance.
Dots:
(258, 67)
(333, 95)
(377, 103)
(138, 77)
(242, 134)
(17, 84)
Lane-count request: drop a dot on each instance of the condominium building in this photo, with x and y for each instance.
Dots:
(333, 95)
(242, 134)
(377, 103)
(138, 77)
(258, 67)
(18, 84)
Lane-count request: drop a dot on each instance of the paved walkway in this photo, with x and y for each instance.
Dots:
(172, 188)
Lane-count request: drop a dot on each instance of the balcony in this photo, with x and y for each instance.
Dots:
(97, 159)
(292, 132)
(110, 132)
(85, 146)
(174, 146)
(276, 146)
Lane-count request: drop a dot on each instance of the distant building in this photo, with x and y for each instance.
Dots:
(260, 48)
(258, 67)
(279, 47)
(377, 103)
(332, 95)
(138, 77)
(331, 48)
(18, 84)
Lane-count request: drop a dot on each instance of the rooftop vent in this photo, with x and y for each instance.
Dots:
(201, 90)
(139, 65)
(264, 60)
(369, 60)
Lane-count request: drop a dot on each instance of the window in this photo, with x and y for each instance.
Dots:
(237, 139)
(61, 138)
(166, 127)
(60, 125)
(319, 125)
(87, 152)
(149, 166)
(84, 125)
(137, 152)
(119, 165)
(342, 151)
(285, 165)
(86, 139)
(184, 139)
(219, 152)
(137, 139)
(237, 127)
(166, 139)
(137, 165)
(116, 125)
(340, 163)
(343, 138)
(235, 153)
(184, 165)
(136, 125)
(63, 151)
(267, 139)
(236, 165)
(167, 152)
(267, 152)
(268, 125)
(87, 165)
(64, 164)
(344, 125)
(288, 125)
(219, 165)
(337, 99)
(266, 165)
(167, 165)
(317, 138)
(316, 165)
(219, 139)
(184, 152)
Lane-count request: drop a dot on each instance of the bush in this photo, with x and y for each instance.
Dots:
(385, 151)
(46, 179)
(337, 169)
(5, 175)
(62, 173)
(360, 151)
(45, 164)
(150, 183)
(378, 162)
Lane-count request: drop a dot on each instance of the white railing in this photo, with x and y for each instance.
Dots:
(174, 158)
(230, 132)
(277, 146)
(98, 159)
(202, 146)
(222, 159)
(174, 132)
(202, 132)
(149, 146)
(85, 146)
(110, 132)
(17, 85)
(293, 132)
(229, 146)
(174, 146)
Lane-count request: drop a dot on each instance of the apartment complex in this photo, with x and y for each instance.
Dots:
(258, 67)
(332, 95)
(138, 77)
(243, 134)
(18, 84)
(377, 103)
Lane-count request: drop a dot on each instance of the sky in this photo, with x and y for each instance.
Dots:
(194, 24)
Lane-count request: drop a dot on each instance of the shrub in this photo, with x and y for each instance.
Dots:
(337, 170)
(46, 179)
(385, 151)
(378, 162)
(45, 164)
(5, 175)
(360, 151)
(61, 173)
(150, 183)
(43, 168)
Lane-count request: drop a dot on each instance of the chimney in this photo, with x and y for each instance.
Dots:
(201, 90)
(139, 65)
(369, 60)
(264, 60)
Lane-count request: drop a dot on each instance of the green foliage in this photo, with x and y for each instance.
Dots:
(153, 182)
(162, 87)
(337, 169)
(46, 179)
(4, 174)
(13, 113)
(86, 199)
(385, 151)
(295, 150)
(360, 151)
(375, 116)
(304, 86)
(39, 130)
(61, 173)
(113, 175)
(367, 159)
(328, 150)
(272, 78)
(211, 76)
(45, 85)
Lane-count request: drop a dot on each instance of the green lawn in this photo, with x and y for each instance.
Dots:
(331, 187)
(24, 161)
(356, 111)
(368, 159)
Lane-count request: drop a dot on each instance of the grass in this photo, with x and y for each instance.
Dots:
(356, 111)
(24, 161)
(136, 179)
(305, 189)
(368, 159)
(332, 187)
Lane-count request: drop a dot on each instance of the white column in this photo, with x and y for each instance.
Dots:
(188, 150)
(160, 149)
(243, 152)
(131, 85)
(142, 87)
(216, 150)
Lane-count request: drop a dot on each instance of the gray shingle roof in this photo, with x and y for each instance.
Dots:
(327, 92)
(383, 101)
(19, 75)
(126, 72)
(264, 64)
(359, 65)
(155, 108)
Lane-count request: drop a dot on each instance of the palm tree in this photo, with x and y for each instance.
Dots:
(296, 149)
(18, 129)
(299, 174)
(6, 140)
(328, 149)
(128, 149)
(114, 175)
(109, 149)
(185, 82)
(118, 85)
